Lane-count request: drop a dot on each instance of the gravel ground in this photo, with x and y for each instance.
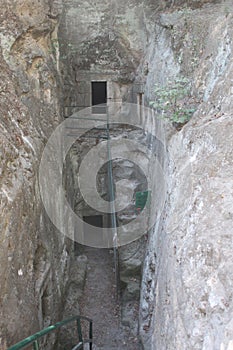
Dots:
(99, 303)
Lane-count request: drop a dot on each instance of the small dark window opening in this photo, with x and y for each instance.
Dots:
(99, 96)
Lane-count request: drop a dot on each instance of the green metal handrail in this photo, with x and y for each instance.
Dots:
(33, 338)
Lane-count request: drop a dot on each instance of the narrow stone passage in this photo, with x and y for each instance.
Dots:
(99, 303)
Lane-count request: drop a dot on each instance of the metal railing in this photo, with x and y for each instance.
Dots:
(33, 339)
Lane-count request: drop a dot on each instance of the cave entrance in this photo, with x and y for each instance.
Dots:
(99, 96)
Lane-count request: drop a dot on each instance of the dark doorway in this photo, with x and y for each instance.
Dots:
(94, 220)
(92, 231)
(99, 96)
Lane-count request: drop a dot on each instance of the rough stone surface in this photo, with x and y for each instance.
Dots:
(104, 42)
(34, 260)
(186, 300)
(186, 294)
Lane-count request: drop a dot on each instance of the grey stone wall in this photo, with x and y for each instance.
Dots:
(186, 293)
(102, 41)
(34, 260)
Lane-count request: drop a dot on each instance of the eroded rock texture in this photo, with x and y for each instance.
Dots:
(186, 295)
(33, 258)
(187, 288)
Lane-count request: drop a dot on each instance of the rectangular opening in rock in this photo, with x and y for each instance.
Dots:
(93, 232)
(94, 220)
(99, 96)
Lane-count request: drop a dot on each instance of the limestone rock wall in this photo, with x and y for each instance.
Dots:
(140, 43)
(186, 300)
(34, 259)
(101, 42)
